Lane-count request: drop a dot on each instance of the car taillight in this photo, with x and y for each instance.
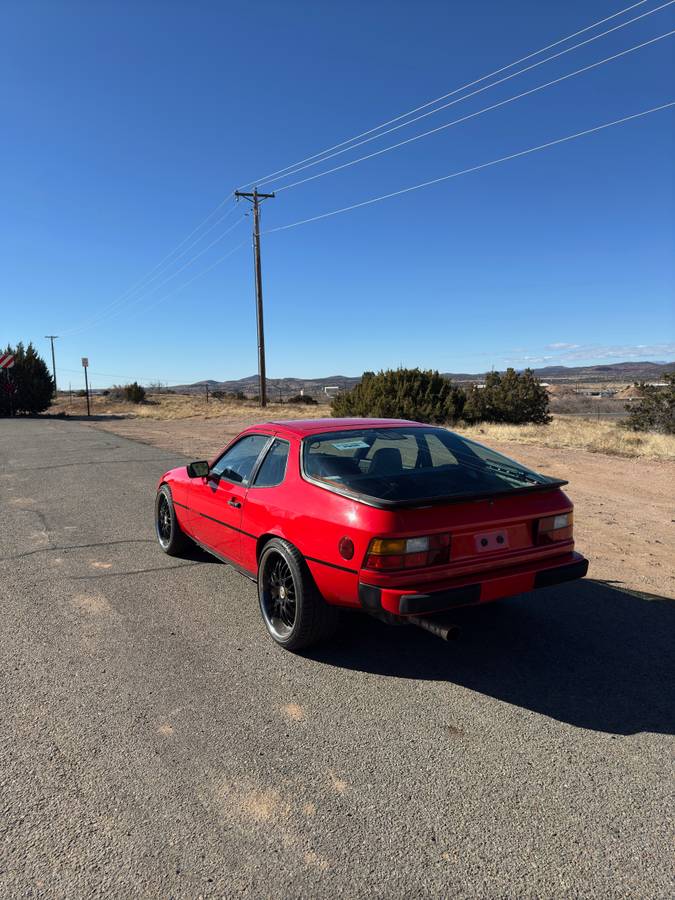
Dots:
(555, 528)
(408, 553)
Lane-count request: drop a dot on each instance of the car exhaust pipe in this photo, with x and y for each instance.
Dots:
(447, 631)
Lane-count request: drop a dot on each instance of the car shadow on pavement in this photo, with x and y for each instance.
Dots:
(584, 653)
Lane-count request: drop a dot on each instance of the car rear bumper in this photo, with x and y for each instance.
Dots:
(474, 589)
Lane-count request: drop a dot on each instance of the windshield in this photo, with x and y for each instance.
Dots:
(411, 463)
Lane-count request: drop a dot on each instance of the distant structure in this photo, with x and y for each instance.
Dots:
(330, 390)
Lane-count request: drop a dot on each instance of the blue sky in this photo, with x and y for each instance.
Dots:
(125, 124)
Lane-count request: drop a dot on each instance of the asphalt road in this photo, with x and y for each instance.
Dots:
(155, 743)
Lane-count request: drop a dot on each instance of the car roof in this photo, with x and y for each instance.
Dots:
(304, 427)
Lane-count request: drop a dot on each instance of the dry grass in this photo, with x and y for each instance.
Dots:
(166, 407)
(571, 432)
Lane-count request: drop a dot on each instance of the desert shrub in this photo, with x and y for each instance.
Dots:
(134, 393)
(33, 385)
(402, 394)
(228, 395)
(81, 393)
(654, 410)
(514, 397)
(303, 398)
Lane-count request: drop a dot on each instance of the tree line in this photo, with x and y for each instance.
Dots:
(420, 394)
(426, 396)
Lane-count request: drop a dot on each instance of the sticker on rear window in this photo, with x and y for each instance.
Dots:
(350, 445)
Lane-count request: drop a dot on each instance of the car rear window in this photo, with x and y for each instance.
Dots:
(412, 463)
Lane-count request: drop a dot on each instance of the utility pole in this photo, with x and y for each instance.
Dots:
(255, 199)
(85, 366)
(52, 338)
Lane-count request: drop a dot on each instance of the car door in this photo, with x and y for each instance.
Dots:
(217, 500)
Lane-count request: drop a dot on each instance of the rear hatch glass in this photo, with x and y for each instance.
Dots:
(413, 464)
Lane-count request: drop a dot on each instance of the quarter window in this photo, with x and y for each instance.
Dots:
(273, 468)
(237, 463)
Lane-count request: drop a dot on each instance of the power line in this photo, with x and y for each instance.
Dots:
(195, 277)
(122, 298)
(463, 87)
(494, 162)
(181, 287)
(479, 112)
(111, 313)
(461, 99)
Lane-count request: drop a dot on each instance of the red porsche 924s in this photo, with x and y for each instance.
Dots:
(402, 520)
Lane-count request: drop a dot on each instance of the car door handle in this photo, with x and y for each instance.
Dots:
(233, 502)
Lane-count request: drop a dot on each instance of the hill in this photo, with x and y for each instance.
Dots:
(289, 386)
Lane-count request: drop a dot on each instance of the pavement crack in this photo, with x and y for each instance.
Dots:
(75, 547)
(188, 565)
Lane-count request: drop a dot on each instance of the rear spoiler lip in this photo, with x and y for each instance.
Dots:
(425, 502)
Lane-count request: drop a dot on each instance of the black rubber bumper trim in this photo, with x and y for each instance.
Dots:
(560, 574)
(439, 600)
(370, 597)
(414, 604)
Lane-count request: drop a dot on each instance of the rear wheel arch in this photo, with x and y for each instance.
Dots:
(264, 539)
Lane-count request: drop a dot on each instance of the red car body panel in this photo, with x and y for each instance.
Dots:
(315, 518)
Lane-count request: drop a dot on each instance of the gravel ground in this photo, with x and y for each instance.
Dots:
(155, 743)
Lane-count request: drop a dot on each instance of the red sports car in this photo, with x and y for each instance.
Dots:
(400, 519)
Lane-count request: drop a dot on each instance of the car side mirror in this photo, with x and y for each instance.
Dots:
(198, 469)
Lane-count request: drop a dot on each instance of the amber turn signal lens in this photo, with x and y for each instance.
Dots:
(408, 553)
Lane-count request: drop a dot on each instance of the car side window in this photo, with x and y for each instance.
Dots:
(273, 468)
(237, 463)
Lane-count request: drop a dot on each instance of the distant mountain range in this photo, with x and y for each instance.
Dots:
(287, 387)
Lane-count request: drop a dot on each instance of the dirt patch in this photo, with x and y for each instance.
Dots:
(338, 784)
(22, 502)
(293, 711)
(94, 604)
(249, 803)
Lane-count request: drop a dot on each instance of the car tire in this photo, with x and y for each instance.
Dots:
(170, 536)
(294, 612)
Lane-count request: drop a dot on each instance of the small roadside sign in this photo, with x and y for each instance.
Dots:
(85, 361)
(6, 360)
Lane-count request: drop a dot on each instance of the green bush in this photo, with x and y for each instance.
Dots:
(654, 410)
(134, 393)
(32, 383)
(515, 398)
(228, 395)
(402, 394)
(303, 398)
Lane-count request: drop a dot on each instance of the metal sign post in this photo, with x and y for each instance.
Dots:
(85, 366)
